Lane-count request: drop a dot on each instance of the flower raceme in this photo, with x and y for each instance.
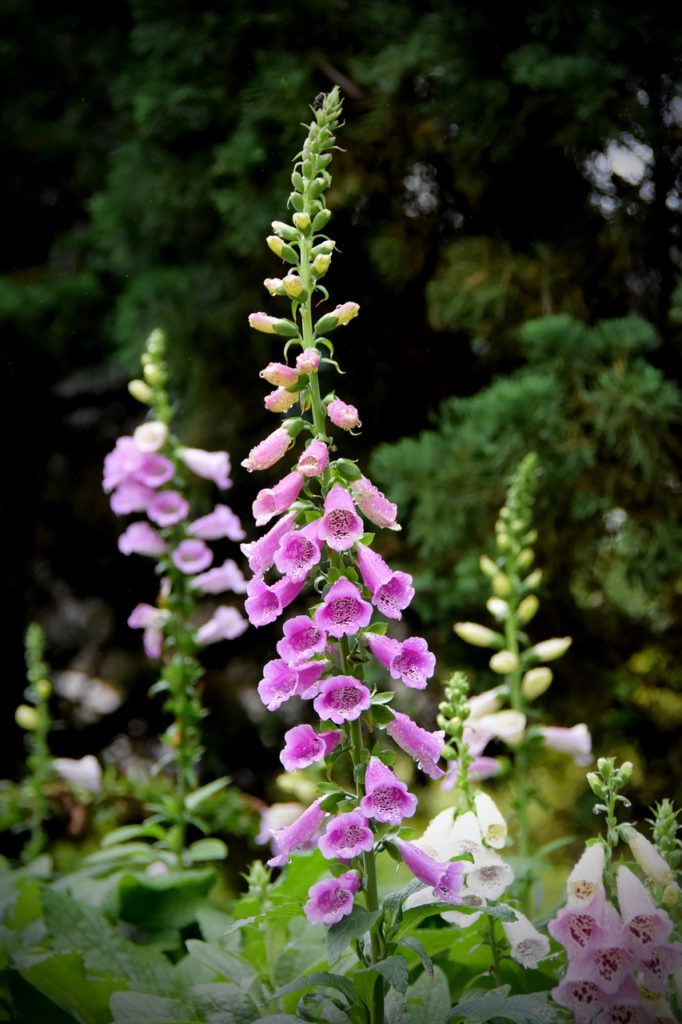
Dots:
(318, 516)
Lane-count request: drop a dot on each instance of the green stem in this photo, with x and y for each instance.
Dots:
(522, 790)
(494, 949)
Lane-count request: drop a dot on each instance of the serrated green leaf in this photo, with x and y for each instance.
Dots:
(142, 1008)
(354, 926)
(428, 1000)
(478, 1007)
(62, 978)
(393, 969)
(223, 1003)
(223, 963)
(410, 942)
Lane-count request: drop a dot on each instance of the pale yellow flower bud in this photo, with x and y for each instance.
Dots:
(671, 895)
(527, 608)
(275, 243)
(141, 391)
(152, 373)
(497, 607)
(44, 688)
(488, 567)
(504, 662)
(501, 584)
(493, 826)
(647, 856)
(524, 559)
(536, 682)
(321, 263)
(479, 636)
(26, 717)
(550, 650)
(293, 285)
(301, 221)
(534, 579)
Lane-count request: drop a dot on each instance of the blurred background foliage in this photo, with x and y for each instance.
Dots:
(507, 211)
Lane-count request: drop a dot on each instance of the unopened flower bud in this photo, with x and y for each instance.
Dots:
(488, 567)
(43, 688)
(524, 559)
(152, 373)
(301, 221)
(273, 325)
(448, 753)
(625, 771)
(150, 436)
(536, 682)
(502, 540)
(647, 856)
(533, 581)
(279, 374)
(280, 400)
(343, 415)
(671, 895)
(341, 316)
(308, 361)
(321, 263)
(550, 650)
(501, 584)
(504, 662)
(156, 341)
(141, 391)
(293, 285)
(26, 717)
(283, 231)
(527, 609)
(274, 285)
(497, 607)
(478, 636)
(595, 783)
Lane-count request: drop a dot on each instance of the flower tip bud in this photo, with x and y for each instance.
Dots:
(527, 609)
(626, 770)
(152, 373)
(488, 567)
(501, 584)
(141, 391)
(301, 221)
(26, 717)
(550, 650)
(44, 689)
(671, 895)
(536, 681)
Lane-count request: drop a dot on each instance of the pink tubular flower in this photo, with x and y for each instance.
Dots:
(280, 400)
(227, 576)
(261, 552)
(154, 471)
(213, 466)
(192, 556)
(220, 523)
(585, 885)
(225, 624)
(304, 746)
(131, 496)
(577, 930)
(373, 504)
(391, 591)
(528, 945)
(645, 925)
(340, 526)
(141, 539)
(151, 620)
(446, 880)
(410, 660)
(331, 899)
(308, 361)
(280, 682)
(269, 451)
(167, 508)
(584, 998)
(345, 312)
(314, 459)
(266, 602)
(425, 747)
(150, 436)
(302, 639)
(271, 501)
(121, 463)
(341, 699)
(347, 836)
(297, 835)
(386, 798)
(344, 612)
(299, 551)
(342, 415)
(279, 374)
(576, 741)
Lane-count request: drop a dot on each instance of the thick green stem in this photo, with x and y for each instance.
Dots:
(522, 790)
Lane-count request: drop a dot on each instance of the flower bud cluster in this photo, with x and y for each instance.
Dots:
(322, 508)
(513, 605)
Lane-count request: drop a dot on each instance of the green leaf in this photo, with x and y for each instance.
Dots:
(320, 979)
(164, 901)
(208, 849)
(478, 1007)
(222, 1003)
(141, 1008)
(428, 1000)
(197, 798)
(409, 942)
(223, 963)
(354, 926)
(393, 969)
(126, 832)
(62, 978)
